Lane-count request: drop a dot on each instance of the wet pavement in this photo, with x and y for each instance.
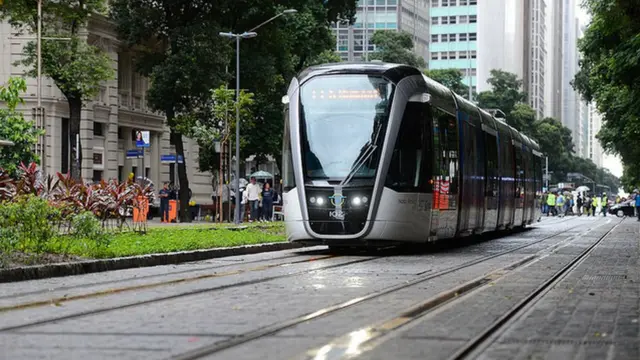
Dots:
(565, 288)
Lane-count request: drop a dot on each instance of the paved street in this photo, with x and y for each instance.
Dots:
(566, 288)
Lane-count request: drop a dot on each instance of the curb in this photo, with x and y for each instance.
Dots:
(93, 266)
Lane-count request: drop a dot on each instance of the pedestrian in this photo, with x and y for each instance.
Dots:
(253, 197)
(579, 204)
(637, 204)
(164, 202)
(268, 196)
(551, 203)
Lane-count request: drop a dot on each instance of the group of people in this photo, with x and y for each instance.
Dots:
(260, 200)
(556, 203)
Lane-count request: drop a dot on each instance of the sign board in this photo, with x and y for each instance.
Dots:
(134, 154)
(142, 139)
(170, 159)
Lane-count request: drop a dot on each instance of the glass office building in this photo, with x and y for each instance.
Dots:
(391, 15)
(453, 37)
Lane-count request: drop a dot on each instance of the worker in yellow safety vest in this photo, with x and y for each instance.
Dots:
(551, 201)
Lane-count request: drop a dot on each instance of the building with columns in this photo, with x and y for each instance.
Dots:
(108, 123)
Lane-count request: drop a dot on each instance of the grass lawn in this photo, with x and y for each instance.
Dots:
(169, 239)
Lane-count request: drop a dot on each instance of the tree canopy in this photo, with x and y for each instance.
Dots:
(609, 76)
(395, 47)
(76, 67)
(451, 78)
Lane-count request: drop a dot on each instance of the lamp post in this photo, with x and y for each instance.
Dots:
(245, 35)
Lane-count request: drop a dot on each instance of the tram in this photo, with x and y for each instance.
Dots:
(378, 153)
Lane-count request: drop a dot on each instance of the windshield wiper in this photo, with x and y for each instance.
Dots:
(370, 148)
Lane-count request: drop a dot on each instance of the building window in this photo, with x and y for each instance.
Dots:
(473, 37)
(462, 37)
(473, 2)
(462, 55)
(452, 20)
(452, 2)
(444, 20)
(98, 129)
(445, 2)
(463, 2)
(443, 56)
(473, 19)
(434, 56)
(434, 20)
(120, 173)
(452, 55)
(452, 37)
(463, 19)
(434, 38)
(473, 54)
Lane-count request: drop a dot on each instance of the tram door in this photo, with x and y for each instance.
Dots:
(491, 182)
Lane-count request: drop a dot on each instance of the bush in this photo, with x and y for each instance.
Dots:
(29, 224)
(85, 226)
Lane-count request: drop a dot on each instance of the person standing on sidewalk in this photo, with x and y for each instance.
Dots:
(253, 197)
(164, 202)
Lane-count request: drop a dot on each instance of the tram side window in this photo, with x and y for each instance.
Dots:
(410, 167)
(492, 165)
(519, 172)
(288, 178)
(447, 125)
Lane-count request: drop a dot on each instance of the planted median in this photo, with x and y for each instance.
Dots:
(55, 219)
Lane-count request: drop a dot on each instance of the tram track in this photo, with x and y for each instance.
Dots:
(277, 327)
(370, 337)
(152, 276)
(239, 284)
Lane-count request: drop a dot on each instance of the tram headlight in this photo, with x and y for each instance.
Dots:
(320, 201)
(365, 200)
(312, 200)
(356, 201)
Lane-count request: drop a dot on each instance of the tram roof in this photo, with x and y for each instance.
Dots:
(395, 72)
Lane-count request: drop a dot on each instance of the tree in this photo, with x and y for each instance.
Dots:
(395, 47)
(178, 47)
(15, 128)
(325, 57)
(609, 77)
(451, 78)
(210, 124)
(76, 67)
(505, 93)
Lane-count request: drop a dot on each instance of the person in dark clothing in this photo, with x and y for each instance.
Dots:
(268, 195)
(164, 202)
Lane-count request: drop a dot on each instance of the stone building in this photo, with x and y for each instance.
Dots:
(108, 122)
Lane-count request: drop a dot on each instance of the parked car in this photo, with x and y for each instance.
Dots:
(623, 209)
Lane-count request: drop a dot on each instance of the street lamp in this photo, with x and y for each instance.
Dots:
(245, 35)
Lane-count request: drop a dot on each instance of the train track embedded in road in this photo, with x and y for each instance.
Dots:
(275, 328)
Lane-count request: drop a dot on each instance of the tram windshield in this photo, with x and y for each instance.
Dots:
(343, 122)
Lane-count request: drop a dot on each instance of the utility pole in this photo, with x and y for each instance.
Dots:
(546, 169)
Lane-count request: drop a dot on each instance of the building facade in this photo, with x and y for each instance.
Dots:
(454, 37)
(393, 15)
(595, 151)
(571, 106)
(512, 36)
(553, 107)
(108, 122)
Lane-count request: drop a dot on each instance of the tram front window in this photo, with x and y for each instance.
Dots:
(343, 122)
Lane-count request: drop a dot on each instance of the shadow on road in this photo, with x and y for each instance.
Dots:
(396, 249)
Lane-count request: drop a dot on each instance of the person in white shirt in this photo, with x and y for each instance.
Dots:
(252, 194)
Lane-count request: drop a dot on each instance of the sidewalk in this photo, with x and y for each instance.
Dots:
(592, 313)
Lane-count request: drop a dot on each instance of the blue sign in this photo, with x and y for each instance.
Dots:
(134, 154)
(170, 159)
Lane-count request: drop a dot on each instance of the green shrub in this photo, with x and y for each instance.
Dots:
(86, 227)
(29, 224)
